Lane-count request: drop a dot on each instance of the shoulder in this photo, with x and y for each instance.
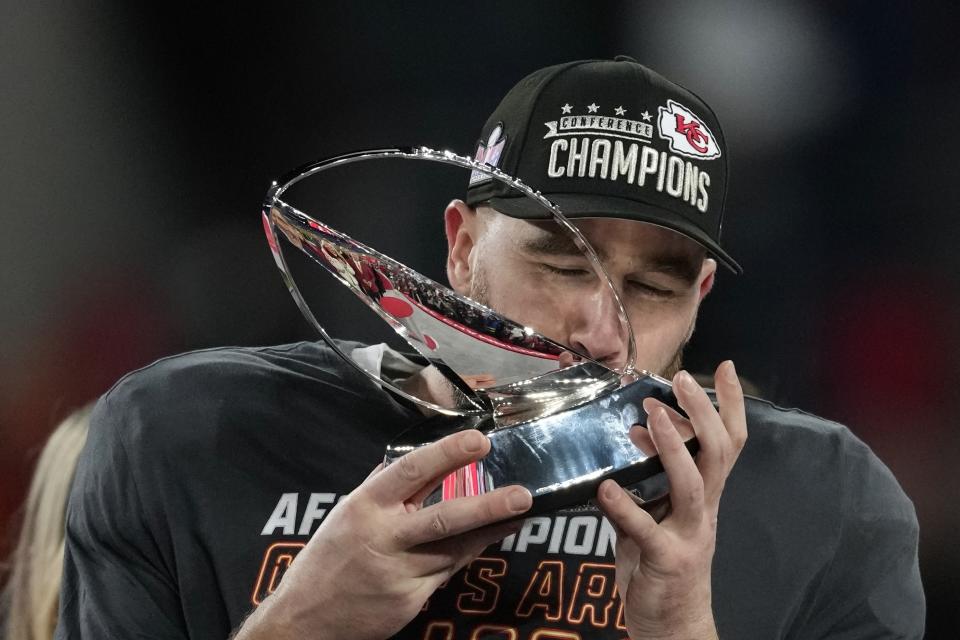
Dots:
(189, 377)
(816, 478)
(213, 400)
(790, 445)
(823, 452)
(775, 424)
(228, 379)
(834, 528)
(832, 518)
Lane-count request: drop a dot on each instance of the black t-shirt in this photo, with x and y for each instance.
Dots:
(204, 474)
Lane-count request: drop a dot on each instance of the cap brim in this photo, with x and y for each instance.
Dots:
(578, 205)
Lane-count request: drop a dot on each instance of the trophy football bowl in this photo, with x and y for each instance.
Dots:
(558, 421)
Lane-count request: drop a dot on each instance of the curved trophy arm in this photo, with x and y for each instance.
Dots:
(494, 366)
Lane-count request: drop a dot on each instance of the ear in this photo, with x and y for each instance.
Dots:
(708, 273)
(460, 223)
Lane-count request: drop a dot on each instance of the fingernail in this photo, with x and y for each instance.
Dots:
(686, 381)
(611, 491)
(519, 500)
(731, 371)
(662, 418)
(472, 442)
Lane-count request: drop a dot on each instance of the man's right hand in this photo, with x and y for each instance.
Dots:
(379, 555)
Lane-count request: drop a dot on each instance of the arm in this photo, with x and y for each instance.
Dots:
(872, 588)
(115, 583)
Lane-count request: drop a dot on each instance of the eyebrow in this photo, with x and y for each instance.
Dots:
(683, 267)
(677, 265)
(551, 243)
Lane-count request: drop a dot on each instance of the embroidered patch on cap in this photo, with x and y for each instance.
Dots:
(686, 133)
(488, 153)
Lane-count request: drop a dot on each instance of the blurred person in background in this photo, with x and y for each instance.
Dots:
(28, 608)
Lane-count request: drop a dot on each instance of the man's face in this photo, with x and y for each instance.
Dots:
(534, 275)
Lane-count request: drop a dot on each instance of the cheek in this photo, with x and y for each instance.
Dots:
(524, 296)
(659, 331)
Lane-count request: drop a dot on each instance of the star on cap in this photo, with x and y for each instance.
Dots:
(566, 108)
(620, 110)
(592, 108)
(646, 115)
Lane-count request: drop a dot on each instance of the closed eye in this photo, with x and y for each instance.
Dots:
(650, 290)
(565, 272)
(578, 273)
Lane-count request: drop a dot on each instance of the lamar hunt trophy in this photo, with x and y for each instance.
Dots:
(557, 420)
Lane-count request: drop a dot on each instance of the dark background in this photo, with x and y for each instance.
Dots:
(136, 144)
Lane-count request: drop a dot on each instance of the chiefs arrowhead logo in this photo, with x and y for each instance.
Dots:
(686, 133)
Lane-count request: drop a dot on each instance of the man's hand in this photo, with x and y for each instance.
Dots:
(663, 570)
(372, 564)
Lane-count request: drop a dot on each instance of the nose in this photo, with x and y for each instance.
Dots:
(596, 330)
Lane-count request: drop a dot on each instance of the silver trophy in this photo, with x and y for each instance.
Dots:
(558, 421)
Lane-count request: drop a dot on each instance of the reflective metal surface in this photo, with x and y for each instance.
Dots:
(481, 354)
(494, 363)
(558, 421)
(561, 458)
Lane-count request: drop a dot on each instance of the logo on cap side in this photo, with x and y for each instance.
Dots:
(686, 133)
(488, 153)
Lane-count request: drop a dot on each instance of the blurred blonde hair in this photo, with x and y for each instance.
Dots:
(32, 594)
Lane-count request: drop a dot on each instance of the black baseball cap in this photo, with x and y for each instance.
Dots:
(608, 138)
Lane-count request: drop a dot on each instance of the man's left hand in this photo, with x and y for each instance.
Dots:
(663, 569)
